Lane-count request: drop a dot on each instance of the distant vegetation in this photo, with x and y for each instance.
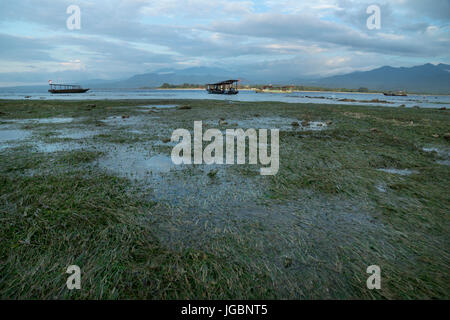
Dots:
(182, 86)
(252, 87)
(308, 88)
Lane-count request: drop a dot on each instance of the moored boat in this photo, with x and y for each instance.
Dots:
(224, 87)
(65, 88)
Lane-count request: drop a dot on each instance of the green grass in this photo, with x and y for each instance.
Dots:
(228, 233)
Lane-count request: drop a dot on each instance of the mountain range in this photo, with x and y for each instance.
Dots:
(427, 78)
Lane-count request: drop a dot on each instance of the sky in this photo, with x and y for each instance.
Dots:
(275, 39)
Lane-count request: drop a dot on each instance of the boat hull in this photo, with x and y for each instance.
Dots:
(222, 92)
(68, 91)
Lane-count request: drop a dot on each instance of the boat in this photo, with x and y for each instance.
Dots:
(224, 87)
(65, 88)
(395, 94)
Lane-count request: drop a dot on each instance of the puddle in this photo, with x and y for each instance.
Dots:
(55, 147)
(159, 106)
(76, 133)
(119, 120)
(443, 154)
(162, 143)
(402, 172)
(432, 149)
(13, 135)
(135, 162)
(41, 121)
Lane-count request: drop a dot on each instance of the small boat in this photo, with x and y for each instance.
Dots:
(224, 87)
(65, 88)
(396, 94)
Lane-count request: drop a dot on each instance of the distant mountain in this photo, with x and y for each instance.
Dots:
(427, 78)
(194, 75)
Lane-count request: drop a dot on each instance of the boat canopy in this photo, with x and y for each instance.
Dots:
(223, 87)
(57, 86)
(223, 83)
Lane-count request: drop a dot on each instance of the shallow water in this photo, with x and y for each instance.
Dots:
(402, 172)
(135, 162)
(159, 106)
(55, 147)
(13, 134)
(77, 133)
(423, 101)
(270, 123)
(443, 154)
(40, 121)
(124, 121)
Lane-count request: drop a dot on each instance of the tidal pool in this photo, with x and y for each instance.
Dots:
(13, 134)
(135, 162)
(402, 172)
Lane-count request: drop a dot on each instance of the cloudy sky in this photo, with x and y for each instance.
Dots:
(271, 38)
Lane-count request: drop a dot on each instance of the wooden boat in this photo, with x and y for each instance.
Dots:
(224, 87)
(66, 88)
(396, 94)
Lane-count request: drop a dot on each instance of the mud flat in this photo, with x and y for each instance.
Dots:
(95, 186)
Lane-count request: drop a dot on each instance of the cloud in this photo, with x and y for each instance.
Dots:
(283, 38)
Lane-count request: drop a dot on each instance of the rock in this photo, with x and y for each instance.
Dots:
(222, 123)
(447, 136)
(213, 173)
(125, 116)
(295, 124)
(329, 123)
(184, 108)
(165, 140)
(374, 130)
(435, 136)
(287, 262)
(257, 115)
(305, 123)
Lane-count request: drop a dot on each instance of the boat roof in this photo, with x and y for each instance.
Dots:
(63, 84)
(223, 82)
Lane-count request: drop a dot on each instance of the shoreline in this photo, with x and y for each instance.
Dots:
(298, 91)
